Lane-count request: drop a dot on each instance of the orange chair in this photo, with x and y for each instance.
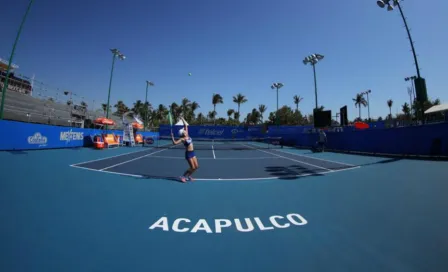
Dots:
(98, 142)
(110, 140)
(138, 139)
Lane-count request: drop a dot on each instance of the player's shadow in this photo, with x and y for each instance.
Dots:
(291, 172)
(175, 179)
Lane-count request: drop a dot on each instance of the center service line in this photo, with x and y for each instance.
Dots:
(213, 150)
(295, 160)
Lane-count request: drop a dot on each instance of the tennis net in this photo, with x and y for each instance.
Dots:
(217, 144)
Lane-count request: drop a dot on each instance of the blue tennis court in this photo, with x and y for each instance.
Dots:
(277, 209)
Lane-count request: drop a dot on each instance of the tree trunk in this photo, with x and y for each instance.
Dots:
(214, 114)
(297, 110)
(360, 113)
(238, 111)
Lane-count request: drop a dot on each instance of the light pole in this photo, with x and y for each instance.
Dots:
(277, 86)
(148, 83)
(368, 102)
(420, 83)
(115, 53)
(410, 98)
(412, 78)
(5, 86)
(313, 59)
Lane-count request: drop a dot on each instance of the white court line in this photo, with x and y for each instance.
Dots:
(147, 149)
(110, 172)
(213, 150)
(209, 158)
(133, 159)
(295, 160)
(110, 157)
(300, 155)
(215, 179)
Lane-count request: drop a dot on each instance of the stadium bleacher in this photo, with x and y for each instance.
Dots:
(25, 108)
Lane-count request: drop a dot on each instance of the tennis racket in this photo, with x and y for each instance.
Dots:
(170, 118)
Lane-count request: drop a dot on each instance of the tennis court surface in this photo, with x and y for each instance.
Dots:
(251, 208)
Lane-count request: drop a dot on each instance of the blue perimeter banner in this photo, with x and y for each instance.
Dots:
(431, 139)
(221, 132)
(423, 140)
(24, 136)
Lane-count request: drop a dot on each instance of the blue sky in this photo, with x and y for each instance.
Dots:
(229, 47)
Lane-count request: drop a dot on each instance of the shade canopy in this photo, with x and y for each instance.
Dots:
(104, 121)
(438, 108)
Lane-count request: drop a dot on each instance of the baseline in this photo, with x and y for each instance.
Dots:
(213, 179)
(223, 158)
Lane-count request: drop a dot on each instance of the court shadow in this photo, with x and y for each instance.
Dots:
(386, 161)
(291, 172)
(175, 179)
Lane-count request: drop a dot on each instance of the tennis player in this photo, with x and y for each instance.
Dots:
(322, 140)
(186, 140)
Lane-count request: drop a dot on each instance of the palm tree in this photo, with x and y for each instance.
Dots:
(212, 115)
(248, 119)
(239, 99)
(104, 107)
(121, 108)
(161, 112)
(153, 118)
(405, 108)
(360, 101)
(262, 108)
(185, 106)
(390, 102)
(175, 110)
(297, 100)
(200, 118)
(216, 99)
(255, 116)
(138, 106)
(236, 115)
(193, 107)
(145, 112)
(230, 112)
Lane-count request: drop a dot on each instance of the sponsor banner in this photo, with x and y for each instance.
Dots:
(226, 132)
(68, 136)
(23, 136)
(427, 140)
